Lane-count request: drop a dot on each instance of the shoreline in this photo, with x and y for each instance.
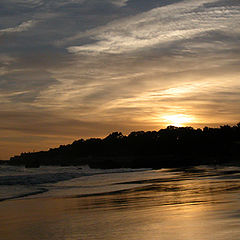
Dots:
(133, 162)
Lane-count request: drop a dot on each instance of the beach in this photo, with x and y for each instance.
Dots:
(199, 203)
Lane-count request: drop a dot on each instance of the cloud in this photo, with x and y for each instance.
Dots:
(119, 3)
(128, 87)
(5, 62)
(24, 86)
(162, 25)
(118, 66)
(20, 28)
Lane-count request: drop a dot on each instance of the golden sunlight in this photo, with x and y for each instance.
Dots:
(178, 120)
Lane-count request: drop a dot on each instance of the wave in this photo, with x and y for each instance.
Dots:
(38, 178)
(21, 176)
(68, 182)
(39, 191)
(19, 182)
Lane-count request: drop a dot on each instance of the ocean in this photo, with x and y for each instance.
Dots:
(79, 203)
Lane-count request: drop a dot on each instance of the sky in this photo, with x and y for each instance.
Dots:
(72, 69)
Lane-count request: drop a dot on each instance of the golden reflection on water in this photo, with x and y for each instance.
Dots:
(181, 210)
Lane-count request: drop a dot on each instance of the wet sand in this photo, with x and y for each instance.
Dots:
(150, 214)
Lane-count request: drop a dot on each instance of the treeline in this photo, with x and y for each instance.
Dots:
(170, 147)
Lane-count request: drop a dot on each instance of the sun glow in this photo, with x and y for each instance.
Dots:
(178, 120)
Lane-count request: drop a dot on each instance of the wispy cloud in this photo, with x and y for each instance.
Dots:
(119, 3)
(158, 26)
(5, 61)
(128, 65)
(20, 28)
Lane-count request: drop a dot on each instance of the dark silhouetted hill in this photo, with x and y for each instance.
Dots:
(170, 147)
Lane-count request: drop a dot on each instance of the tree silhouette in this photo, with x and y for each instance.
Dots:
(173, 146)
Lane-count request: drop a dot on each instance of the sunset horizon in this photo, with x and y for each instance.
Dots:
(119, 119)
(79, 69)
(178, 124)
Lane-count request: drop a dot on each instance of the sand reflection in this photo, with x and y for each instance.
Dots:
(180, 208)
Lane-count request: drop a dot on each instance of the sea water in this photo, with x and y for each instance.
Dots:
(126, 204)
(18, 181)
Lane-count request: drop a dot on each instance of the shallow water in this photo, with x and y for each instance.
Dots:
(200, 203)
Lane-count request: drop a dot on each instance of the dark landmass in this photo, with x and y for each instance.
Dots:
(4, 162)
(170, 147)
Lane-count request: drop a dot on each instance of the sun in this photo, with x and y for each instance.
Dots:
(177, 120)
